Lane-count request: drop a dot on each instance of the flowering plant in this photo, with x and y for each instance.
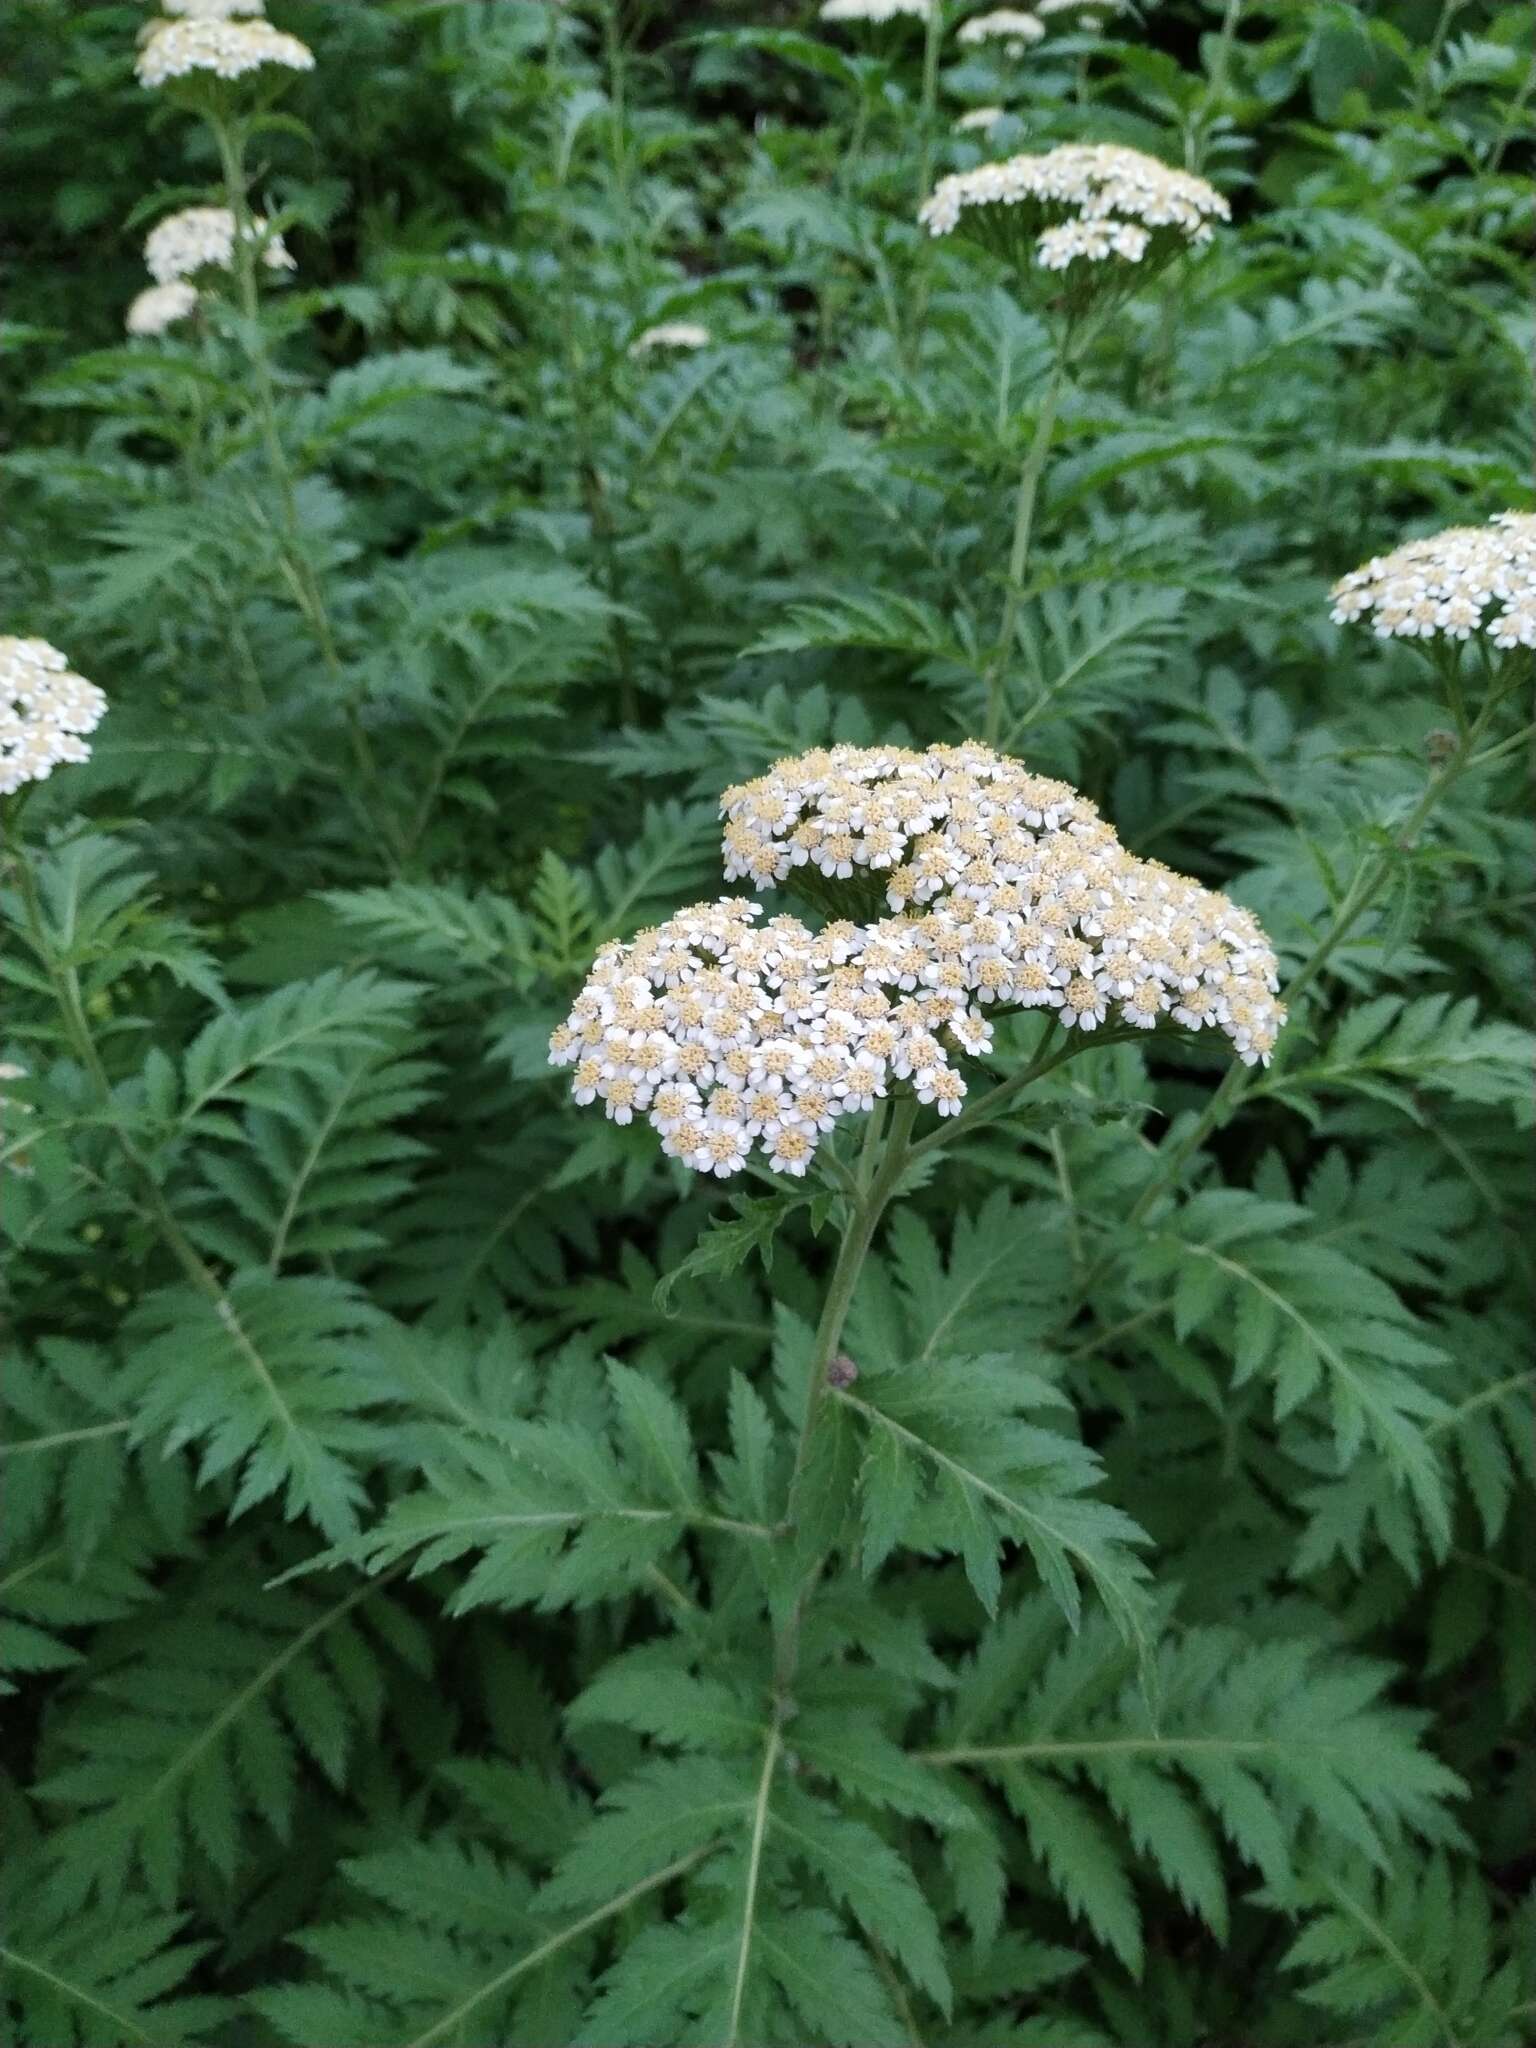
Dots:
(969, 1488)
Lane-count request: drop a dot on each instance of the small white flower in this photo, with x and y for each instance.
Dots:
(943, 1087)
(213, 10)
(160, 306)
(791, 1150)
(203, 238)
(45, 712)
(671, 334)
(873, 10)
(223, 48)
(1008, 25)
(1122, 194)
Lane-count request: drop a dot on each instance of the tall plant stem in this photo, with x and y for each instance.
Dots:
(1426, 84)
(933, 35)
(298, 569)
(1198, 135)
(580, 384)
(876, 1189)
(881, 1167)
(1018, 556)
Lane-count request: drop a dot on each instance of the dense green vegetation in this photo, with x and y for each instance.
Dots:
(446, 1595)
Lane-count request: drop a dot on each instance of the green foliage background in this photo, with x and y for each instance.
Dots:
(387, 1571)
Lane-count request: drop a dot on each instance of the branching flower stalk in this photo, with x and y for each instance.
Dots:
(1095, 222)
(1008, 893)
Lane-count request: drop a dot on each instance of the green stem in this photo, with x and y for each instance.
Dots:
(1199, 135)
(927, 106)
(880, 1174)
(1018, 557)
(580, 389)
(605, 533)
(297, 567)
(862, 1224)
(1511, 120)
(1448, 14)
(988, 1108)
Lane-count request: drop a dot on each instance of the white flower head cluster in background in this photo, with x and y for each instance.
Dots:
(671, 334)
(1008, 25)
(1469, 579)
(45, 711)
(160, 306)
(980, 119)
(1088, 8)
(213, 10)
(1030, 898)
(220, 48)
(874, 10)
(203, 238)
(1077, 207)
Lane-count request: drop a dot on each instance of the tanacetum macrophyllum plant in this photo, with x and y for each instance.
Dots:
(764, 1065)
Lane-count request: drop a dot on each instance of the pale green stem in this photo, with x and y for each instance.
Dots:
(933, 36)
(1448, 14)
(876, 1192)
(1197, 140)
(1511, 119)
(880, 1174)
(997, 1101)
(1018, 557)
(297, 567)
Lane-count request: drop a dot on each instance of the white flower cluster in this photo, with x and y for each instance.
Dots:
(873, 10)
(1084, 200)
(728, 1035)
(45, 708)
(213, 10)
(671, 334)
(1049, 7)
(980, 118)
(1005, 24)
(227, 49)
(203, 238)
(160, 306)
(1469, 579)
(1068, 918)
